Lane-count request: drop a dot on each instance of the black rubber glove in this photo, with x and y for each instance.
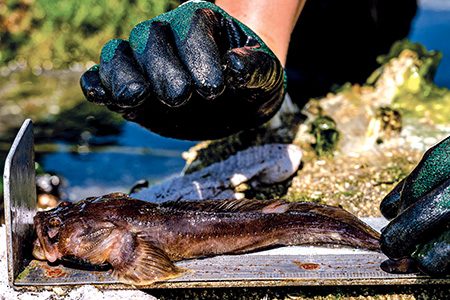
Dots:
(192, 73)
(420, 209)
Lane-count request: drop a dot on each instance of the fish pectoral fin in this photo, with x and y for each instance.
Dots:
(138, 261)
(93, 243)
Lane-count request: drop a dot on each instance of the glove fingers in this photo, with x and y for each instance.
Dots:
(432, 170)
(255, 75)
(423, 219)
(120, 74)
(200, 53)
(390, 206)
(168, 78)
(434, 257)
(93, 88)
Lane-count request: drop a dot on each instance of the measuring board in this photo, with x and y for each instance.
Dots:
(286, 266)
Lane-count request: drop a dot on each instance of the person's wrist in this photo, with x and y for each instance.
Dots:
(272, 21)
(258, 27)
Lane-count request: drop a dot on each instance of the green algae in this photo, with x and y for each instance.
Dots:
(418, 97)
(431, 104)
(326, 135)
(298, 196)
(24, 273)
(429, 59)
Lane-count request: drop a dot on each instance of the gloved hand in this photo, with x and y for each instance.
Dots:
(192, 73)
(420, 209)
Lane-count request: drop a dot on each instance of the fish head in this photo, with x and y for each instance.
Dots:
(49, 225)
(81, 230)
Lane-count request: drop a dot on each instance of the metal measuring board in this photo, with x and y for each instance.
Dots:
(287, 266)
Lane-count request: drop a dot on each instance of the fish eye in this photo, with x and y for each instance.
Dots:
(54, 222)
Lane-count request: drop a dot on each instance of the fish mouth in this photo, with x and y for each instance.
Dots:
(42, 248)
(38, 251)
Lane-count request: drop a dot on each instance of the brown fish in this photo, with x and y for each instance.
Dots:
(142, 240)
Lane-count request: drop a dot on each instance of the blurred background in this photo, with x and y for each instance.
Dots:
(45, 45)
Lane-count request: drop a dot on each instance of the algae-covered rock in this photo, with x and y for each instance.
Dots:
(417, 97)
(384, 127)
(429, 59)
(370, 114)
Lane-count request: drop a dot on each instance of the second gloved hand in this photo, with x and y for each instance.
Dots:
(192, 73)
(419, 207)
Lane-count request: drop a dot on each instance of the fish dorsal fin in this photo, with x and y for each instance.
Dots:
(232, 205)
(138, 261)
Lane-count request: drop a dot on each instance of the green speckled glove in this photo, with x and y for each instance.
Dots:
(192, 73)
(420, 209)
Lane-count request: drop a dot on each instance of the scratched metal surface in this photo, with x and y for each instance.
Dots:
(244, 271)
(20, 199)
(287, 266)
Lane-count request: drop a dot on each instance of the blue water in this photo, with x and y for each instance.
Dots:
(431, 27)
(139, 154)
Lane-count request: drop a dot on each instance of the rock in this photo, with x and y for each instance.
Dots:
(268, 164)
(384, 128)
(364, 115)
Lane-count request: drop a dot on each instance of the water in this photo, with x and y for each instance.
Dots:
(138, 154)
(431, 27)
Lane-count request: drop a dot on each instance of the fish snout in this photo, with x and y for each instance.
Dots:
(42, 247)
(38, 251)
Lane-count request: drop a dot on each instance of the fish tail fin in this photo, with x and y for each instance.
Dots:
(138, 261)
(348, 220)
(329, 225)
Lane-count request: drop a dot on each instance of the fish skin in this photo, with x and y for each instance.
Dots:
(142, 240)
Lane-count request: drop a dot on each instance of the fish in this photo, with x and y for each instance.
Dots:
(142, 241)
